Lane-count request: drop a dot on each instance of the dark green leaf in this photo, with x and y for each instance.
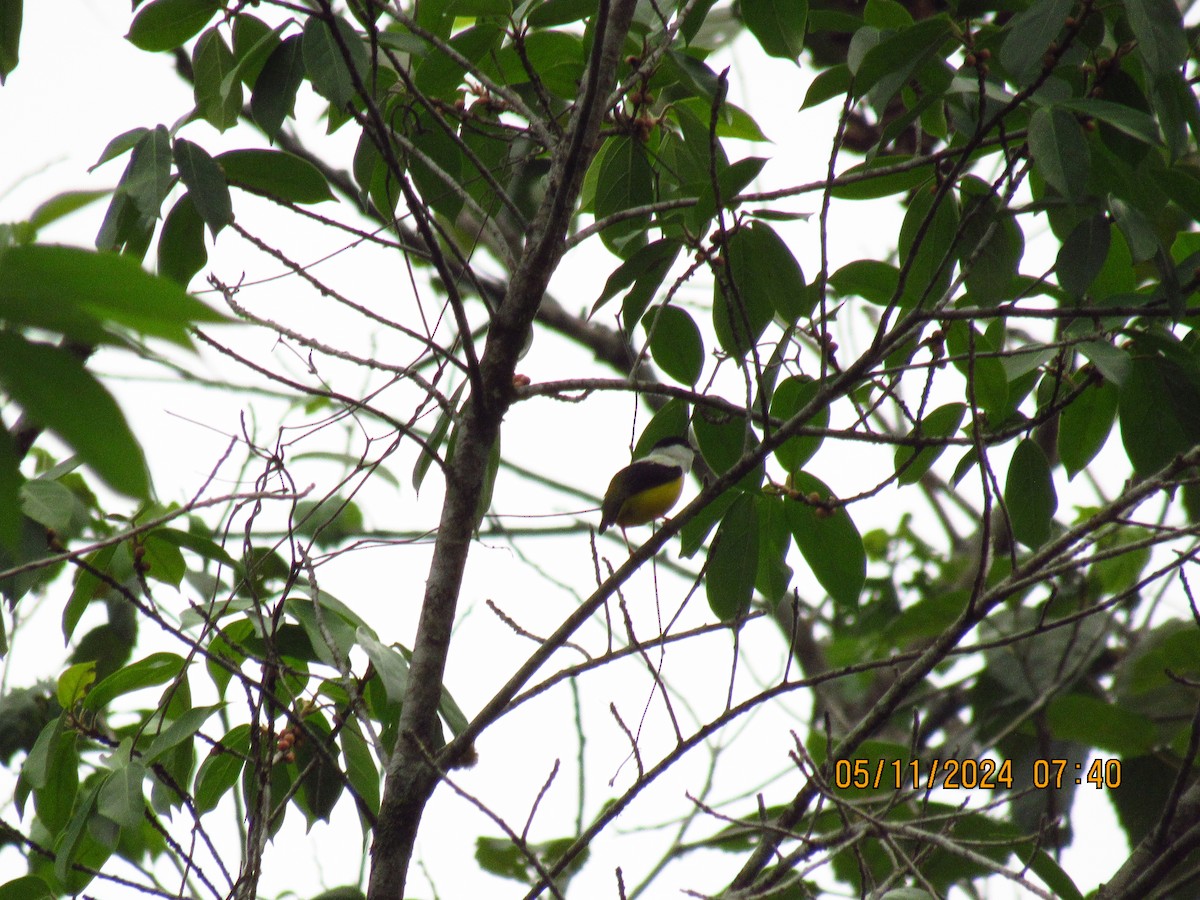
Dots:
(791, 396)
(102, 286)
(276, 174)
(1139, 233)
(1133, 122)
(675, 343)
(828, 539)
(167, 24)
(1150, 428)
(626, 181)
(253, 42)
(880, 177)
(120, 145)
(439, 75)
(1101, 724)
(779, 25)
(1029, 36)
(1045, 867)
(10, 36)
(181, 251)
(733, 561)
(11, 480)
(55, 389)
(774, 575)
(1029, 494)
(829, 83)
(220, 770)
(1060, 151)
(274, 96)
(1085, 426)
(743, 300)
(218, 95)
(928, 251)
(206, 184)
(645, 270)
(912, 461)
(1158, 27)
(155, 669)
(147, 180)
(990, 250)
(1111, 362)
(27, 887)
(871, 279)
(1082, 255)
(334, 62)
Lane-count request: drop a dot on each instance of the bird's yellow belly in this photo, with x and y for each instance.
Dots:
(649, 505)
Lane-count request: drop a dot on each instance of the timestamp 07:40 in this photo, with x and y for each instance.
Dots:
(970, 774)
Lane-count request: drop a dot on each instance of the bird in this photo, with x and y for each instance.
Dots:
(647, 488)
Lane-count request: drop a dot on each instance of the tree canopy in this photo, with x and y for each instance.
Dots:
(925, 607)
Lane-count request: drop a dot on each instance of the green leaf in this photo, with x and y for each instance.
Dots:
(645, 271)
(147, 179)
(1133, 122)
(743, 300)
(1151, 429)
(1101, 724)
(873, 280)
(733, 561)
(626, 181)
(27, 887)
(205, 183)
(1085, 425)
(218, 95)
(792, 395)
(675, 343)
(10, 36)
(101, 287)
(879, 177)
(61, 205)
(1044, 866)
(828, 540)
(1139, 233)
(275, 174)
(389, 663)
(1029, 494)
(1161, 40)
(334, 62)
(1060, 151)
(274, 96)
(829, 83)
(179, 730)
(155, 669)
(73, 683)
(220, 770)
(774, 575)
(1029, 36)
(439, 75)
(253, 42)
(1082, 255)
(48, 503)
(912, 461)
(181, 250)
(167, 24)
(11, 481)
(779, 25)
(55, 389)
(120, 798)
(927, 249)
